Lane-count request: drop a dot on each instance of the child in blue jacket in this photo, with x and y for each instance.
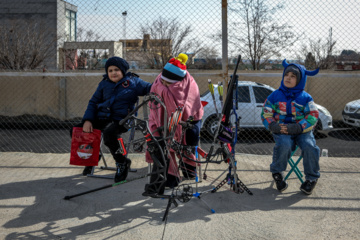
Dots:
(113, 99)
(290, 114)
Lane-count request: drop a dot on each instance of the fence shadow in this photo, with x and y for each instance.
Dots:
(349, 134)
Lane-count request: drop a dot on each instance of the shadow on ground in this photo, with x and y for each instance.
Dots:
(114, 207)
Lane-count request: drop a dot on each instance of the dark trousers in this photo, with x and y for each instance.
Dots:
(192, 139)
(111, 131)
(192, 135)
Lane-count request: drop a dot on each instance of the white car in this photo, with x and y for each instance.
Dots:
(351, 113)
(251, 97)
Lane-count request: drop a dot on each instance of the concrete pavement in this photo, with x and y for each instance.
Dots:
(32, 188)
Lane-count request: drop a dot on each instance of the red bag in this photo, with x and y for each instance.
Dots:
(85, 147)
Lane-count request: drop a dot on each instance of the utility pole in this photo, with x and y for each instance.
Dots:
(124, 15)
(225, 60)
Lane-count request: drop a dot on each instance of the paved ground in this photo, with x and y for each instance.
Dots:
(32, 188)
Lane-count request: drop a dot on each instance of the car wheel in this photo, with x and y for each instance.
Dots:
(211, 125)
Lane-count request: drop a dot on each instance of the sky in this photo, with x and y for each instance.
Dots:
(313, 18)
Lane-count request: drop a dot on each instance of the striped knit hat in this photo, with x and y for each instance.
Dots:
(175, 70)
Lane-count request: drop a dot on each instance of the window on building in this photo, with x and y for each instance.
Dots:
(70, 27)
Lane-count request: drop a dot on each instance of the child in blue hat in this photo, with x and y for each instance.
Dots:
(115, 96)
(291, 114)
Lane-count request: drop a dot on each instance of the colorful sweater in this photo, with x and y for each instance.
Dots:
(302, 110)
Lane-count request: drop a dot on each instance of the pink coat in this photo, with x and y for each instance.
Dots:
(183, 93)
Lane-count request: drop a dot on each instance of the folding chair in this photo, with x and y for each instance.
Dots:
(294, 167)
(101, 156)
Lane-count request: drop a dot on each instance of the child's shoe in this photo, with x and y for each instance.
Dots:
(308, 186)
(281, 185)
(150, 190)
(122, 170)
(172, 181)
(87, 170)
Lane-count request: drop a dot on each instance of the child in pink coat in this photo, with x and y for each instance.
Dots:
(177, 87)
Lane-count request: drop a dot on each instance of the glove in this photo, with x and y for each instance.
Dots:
(294, 129)
(274, 127)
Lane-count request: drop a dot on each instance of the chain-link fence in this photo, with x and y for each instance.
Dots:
(52, 56)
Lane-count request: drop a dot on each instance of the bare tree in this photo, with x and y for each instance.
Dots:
(167, 38)
(83, 35)
(25, 44)
(322, 51)
(258, 36)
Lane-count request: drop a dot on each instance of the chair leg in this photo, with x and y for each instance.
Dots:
(295, 169)
(104, 161)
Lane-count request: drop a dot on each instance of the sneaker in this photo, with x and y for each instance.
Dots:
(281, 185)
(172, 181)
(151, 190)
(87, 170)
(308, 186)
(122, 170)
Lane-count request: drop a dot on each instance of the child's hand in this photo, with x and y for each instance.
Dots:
(283, 129)
(87, 127)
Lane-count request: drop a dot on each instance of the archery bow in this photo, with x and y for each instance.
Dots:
(225, 133)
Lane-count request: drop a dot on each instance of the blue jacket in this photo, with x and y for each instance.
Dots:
(291, 105)
(114, 101)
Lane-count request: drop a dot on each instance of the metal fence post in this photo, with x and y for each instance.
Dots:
(225, 61)
(62, 98)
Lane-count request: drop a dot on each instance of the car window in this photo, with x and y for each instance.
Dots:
(243, 94)
(261, 94)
